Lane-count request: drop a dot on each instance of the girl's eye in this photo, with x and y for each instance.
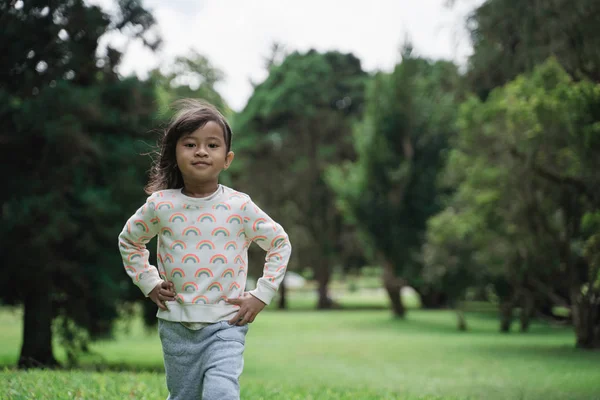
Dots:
(213, 145)
(189, 145)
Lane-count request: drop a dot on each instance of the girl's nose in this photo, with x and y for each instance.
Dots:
(201, 151)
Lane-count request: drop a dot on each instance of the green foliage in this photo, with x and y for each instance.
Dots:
(70, 133)
(525, 167)
(390, 190)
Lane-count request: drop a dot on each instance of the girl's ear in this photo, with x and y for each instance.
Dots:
(229, 159)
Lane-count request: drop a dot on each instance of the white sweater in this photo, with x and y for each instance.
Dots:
(203, 249)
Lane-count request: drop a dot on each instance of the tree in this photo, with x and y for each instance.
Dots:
(511, 37)
(527, 162)
(296, 123)
(390, 191)
(69, 126)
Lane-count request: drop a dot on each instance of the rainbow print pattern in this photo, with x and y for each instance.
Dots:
(228, 273)
(234, 286)
(164, 205)
(166, 231)
(275, 257)
(241, 233)
(135, 256)
(242, 271)
(239, 260)
(142, 225)
(235, 219)
(221, 206)
(281, 268)
(205, 244)
(220, 231)
(206, 217)
(191, 207)
(257, 224)
(260, 238)
(169, 258)
(130, 270)
(155, 221)
(191, 230)
(231, 246)
(190, 287)
(218, 258)
(178, 245)
(204, 272)
(215, 286)
(177, 273)
(222, 300)
(200, 300)
(190, 258)
(177, 217)
(278, 241)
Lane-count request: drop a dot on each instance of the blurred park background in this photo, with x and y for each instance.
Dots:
(445, 214)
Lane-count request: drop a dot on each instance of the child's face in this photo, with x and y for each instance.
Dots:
(202, 155)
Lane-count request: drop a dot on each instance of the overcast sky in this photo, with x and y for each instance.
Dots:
(236, 35)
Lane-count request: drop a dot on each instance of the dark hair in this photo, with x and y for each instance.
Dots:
(191, 115)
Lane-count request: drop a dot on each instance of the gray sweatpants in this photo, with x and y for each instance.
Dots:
(204, 364)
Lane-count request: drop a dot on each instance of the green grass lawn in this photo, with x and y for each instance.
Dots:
(337, 355)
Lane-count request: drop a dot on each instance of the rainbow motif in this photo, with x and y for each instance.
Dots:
(169, 258)
(178, 244)
(221, 206)
(142, 225)
(138, 277)
(257, 224)
(270, 278)
(192, 258)
(135, 256)
(243, 206)
(204, 272)
(128, 227)
(228, 273)
(205, 244)
(241, 271)
(235, 218)
(155, 220)
(275, 256)
(200, 300)
(191, 230)
(235, 195)
(177, 217)
(177, 273)
(123, 245)
(220, 231)
(231, 246)
(281, 268)
(166, 231)
(239, 260)
(206, 217)
(179, 298)
(233, 286)
(130, 270)
(278, 241)
(164, 205)
(162, 276)
(159, 194)
(241, 233)
(218, 258)
(222, 300)
(215, 286)
(259, 238)
(144, 239)
(190, 287)
(246, 219)
(191, 207)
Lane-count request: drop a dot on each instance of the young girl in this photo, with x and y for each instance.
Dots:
(204, 230)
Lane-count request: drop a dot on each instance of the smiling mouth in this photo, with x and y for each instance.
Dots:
(201, 163)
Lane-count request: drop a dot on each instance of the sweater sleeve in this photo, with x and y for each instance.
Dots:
(136, 233)
(271, 237)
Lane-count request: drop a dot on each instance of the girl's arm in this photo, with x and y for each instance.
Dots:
(271, 237)
(136, 233)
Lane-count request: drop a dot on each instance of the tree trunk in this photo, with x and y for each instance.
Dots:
(586, 321)
(527, 309)
(462, 322)
(393, 286)
(282, 296)
(36, 351)
(322, 274)
(506, 315)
